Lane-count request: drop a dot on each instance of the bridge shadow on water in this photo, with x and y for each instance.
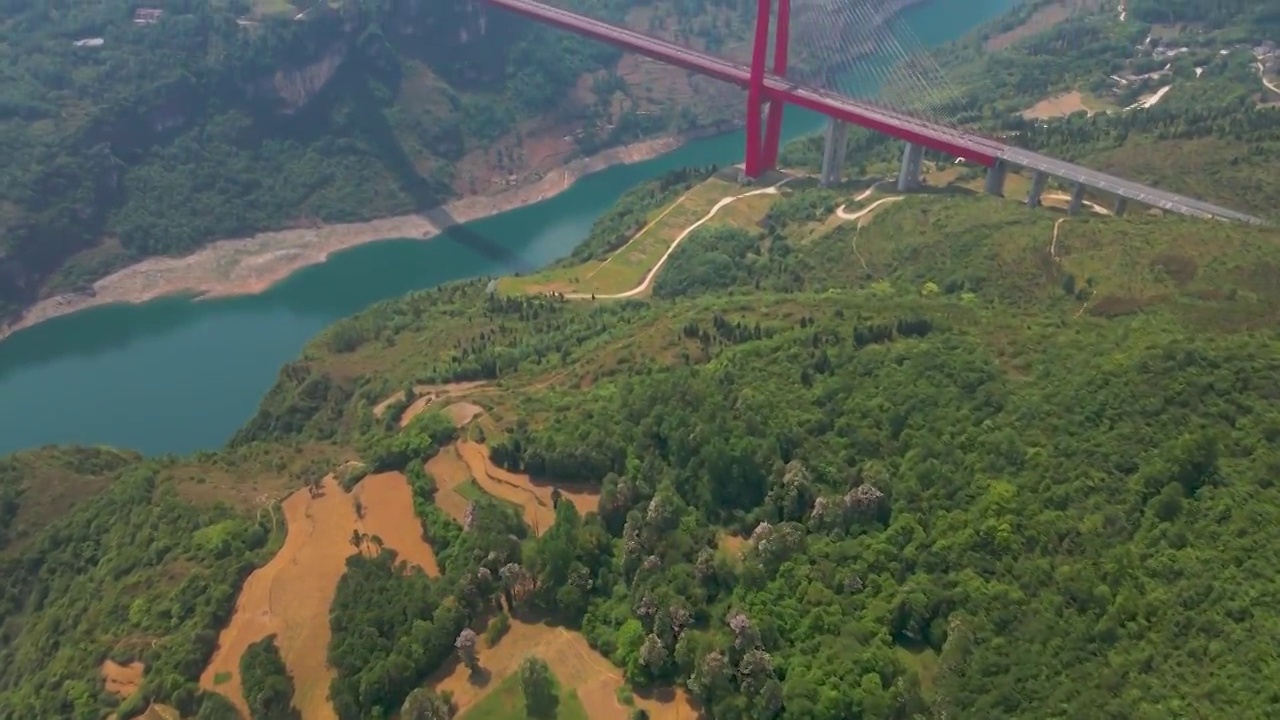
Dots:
(428, 197)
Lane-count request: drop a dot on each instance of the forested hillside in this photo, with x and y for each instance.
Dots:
(127, 135)
(1215, 13)
(959, 460)
(951, 458)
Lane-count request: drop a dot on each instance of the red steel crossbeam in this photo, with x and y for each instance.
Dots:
(965, 146)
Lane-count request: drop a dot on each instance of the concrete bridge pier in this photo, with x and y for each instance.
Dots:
(1038, 181)
(995, 178)
(1077, 199)
(912, 163)
(833, 152)
(1122, 204)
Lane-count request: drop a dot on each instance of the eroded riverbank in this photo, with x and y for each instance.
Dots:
(251, 265)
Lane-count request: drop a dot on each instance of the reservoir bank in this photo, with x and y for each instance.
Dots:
(174, 376)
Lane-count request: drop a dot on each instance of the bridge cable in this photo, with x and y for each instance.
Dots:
(956, 96)
(900, 91)
(861, 55)
(927, 98)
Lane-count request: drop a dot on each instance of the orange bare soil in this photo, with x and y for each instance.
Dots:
(732, 545)
(290, 595)
(387, 503)
(449, 472)
(462, 413)
(520, 489)
(122, 680)
(574, 663)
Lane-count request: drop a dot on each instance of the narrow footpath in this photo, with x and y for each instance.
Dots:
(653, 272)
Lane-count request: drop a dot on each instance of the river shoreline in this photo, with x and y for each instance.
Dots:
(252, 265)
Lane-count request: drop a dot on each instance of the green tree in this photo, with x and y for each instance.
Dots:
(425, 704)
(538, 686)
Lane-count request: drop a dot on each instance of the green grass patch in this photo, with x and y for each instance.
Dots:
(265, 8)
(924, 661)
(506, 702)
(471, 490)
(222, 678)
(627, 267)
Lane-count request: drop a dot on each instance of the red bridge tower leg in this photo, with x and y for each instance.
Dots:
(755, 90)
(773, 127)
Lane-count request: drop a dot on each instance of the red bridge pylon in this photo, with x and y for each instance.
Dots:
(762, 147)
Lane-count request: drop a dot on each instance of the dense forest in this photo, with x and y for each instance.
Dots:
(962, 461)
(968, 480)
(960, 494)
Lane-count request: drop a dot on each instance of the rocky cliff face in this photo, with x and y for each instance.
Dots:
(293, 87)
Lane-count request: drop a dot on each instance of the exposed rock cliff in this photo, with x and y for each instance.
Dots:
(293, 87)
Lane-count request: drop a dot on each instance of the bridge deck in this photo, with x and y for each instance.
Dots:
(959, 143)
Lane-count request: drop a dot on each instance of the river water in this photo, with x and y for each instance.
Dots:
(174, 376)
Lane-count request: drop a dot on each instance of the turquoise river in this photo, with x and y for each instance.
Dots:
(174, 376)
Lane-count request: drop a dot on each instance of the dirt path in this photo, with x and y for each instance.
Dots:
(425, 396)
(1095, 207)
(859, 214)
(575, 664)
(1262, 74)
(1151, 100)
(520, 489)
(250, 265)
(290, 595)
(1053, 244)
(653, 272)
(643, 230)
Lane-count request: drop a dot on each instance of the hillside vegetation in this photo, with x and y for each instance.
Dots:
(934, 462)
(1216, 135)
(950, 458)
(220, 119)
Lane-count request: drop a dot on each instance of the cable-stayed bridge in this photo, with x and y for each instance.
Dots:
(913, 101)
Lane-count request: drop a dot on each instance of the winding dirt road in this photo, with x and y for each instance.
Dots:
(1262, 74)
(1086, 203)
(653, 272)
(858, 215)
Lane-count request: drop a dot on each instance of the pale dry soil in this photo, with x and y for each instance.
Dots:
(122, 680)
(574, 663)
(1060, 105)
(245, 266)
(290, 595)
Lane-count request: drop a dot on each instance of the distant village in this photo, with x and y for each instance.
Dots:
(145, 16)
(1265, 53)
